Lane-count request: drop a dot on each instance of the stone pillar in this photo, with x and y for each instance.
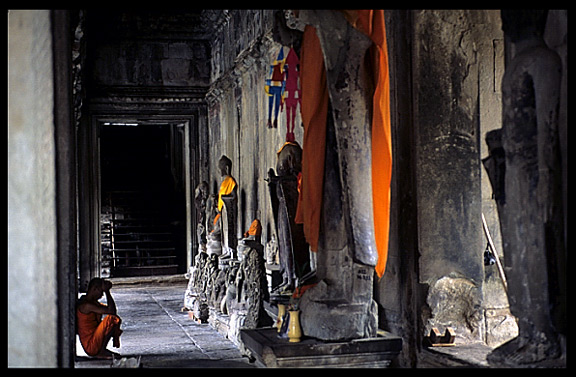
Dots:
(65, 151)
(32, 227)
(449, 206)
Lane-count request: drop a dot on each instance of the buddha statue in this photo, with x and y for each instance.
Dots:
(200, 198)
(213, 228)
(227, 208)
(293, 250)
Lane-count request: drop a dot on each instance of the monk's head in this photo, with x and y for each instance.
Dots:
(95, 288)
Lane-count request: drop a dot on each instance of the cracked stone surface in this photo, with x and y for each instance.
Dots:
(156, 329)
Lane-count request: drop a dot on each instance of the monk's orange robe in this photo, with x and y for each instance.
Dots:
(93, 330)
(226, 188)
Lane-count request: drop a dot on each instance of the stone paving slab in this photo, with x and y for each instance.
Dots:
(160, 333)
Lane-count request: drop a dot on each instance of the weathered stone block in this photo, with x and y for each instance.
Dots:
(175, 71)
(456, 303)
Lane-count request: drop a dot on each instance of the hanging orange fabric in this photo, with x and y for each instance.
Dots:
(371, 23)
(314, 109)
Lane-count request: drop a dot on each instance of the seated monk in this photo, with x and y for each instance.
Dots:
(95, 332)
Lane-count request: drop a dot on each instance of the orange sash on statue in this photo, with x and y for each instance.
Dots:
(226, 188)
(255, 229)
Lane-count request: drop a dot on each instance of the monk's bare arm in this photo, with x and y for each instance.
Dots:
(111, 305)
(88, 307)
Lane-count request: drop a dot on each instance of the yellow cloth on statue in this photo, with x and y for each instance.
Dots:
(226, 188)
(285, 144)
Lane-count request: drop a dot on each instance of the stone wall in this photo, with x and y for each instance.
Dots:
(147, 48)
(243, 48)
(242, 52)
(439, 187)
(32, 248)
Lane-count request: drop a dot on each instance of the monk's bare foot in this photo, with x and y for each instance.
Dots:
(106, 355)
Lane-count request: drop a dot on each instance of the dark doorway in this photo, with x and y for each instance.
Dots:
(143, 215)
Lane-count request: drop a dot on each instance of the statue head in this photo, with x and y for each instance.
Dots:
(289, 159)
(521, 24)
(225, 166)
(201, 192)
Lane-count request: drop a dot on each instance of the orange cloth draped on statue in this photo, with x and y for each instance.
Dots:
(371, 23)
(226, 188)
(255, 229)
(216, 218)
(93, 331)
(285, 144)
(314, 110)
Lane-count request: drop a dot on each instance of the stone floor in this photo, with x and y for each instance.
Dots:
(162, 335)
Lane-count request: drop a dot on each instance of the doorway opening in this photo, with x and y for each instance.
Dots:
(142, 196)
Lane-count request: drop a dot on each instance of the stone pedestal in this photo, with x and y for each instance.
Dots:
(273, 352)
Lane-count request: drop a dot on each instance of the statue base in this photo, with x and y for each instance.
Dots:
(225, 263)
(272, 352)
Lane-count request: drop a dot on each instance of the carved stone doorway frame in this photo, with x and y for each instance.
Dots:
(89, 190)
